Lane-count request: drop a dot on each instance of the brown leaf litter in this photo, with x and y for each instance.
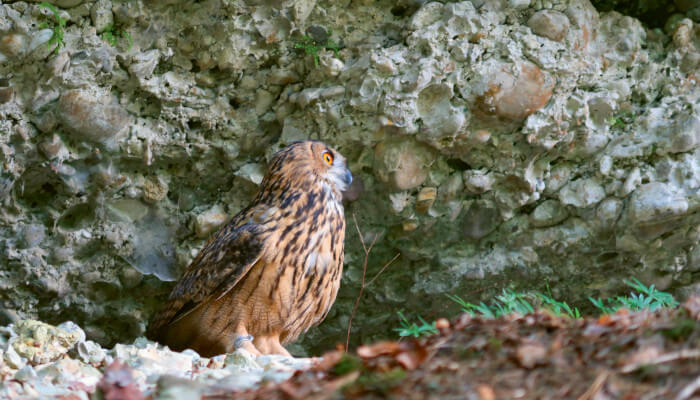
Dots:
(640, 355)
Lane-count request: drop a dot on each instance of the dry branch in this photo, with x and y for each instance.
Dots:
(366, 250)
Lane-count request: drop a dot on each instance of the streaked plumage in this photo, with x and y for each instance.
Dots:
(274, 270)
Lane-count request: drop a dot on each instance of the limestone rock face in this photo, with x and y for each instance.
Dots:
(491, 142)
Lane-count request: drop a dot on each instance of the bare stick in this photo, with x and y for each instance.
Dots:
(367, 250)
(364, 271)
(664, 358)
(596, 386)
(689, 390)
(383, 268)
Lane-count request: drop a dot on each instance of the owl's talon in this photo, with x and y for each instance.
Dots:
(240, 341)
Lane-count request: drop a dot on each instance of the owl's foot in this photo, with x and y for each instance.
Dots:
(246, 343)
(270, 345)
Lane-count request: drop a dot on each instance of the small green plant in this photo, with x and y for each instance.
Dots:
(645, 298)
(510, 301)
(616, 122)
(58, 25)
(413, 329)
(112, 35)
(311, 46)
(642, 297)
(505, 303)
(346, 364)
(557, 307)
(621, 120)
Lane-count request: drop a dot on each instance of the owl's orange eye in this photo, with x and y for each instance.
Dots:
(328, 157)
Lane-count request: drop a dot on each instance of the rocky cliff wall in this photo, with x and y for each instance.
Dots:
(493, 143)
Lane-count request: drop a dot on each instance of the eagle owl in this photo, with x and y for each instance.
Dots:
(273, 270)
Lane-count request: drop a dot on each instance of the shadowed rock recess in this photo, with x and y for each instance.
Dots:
(493, 143)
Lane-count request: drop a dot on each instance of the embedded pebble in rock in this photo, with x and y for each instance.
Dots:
(101, 14)
(582, 193)
(282, 77)
(425, 199)
(88, 118)
(144, 64)
(67, 3)
(686, 135)
(403, 164)
(655, 202)
(607, 212)
(515, 91)
(427, 15)
(40, 39)
(154, 190)
(71, 367)
(13, 44)
(129, 209)
(252, 172)
(550, 24)
(437, 113)
(683, 33)
(54, 148)
(634, 178)
(548, 213)
(691, 61)
(209, 220)
(558, 177)
(478, 181)
(6, 94)
(90, 352)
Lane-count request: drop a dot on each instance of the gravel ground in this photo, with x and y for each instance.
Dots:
(42, 361)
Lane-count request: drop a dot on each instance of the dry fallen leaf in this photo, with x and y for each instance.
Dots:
(328, 360)
(485, 392)
(531, 354)
(411, 358)
(378, 349)
(644, 355)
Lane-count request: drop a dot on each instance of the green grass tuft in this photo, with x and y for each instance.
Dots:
(648, 298)
(312, 47)
(641, 298)
(557, 307)
(112, 35)
(413, 329)
(58, 25)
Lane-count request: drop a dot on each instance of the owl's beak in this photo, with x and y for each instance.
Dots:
(348, 177)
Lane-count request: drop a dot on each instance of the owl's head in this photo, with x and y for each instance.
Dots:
(305, 164)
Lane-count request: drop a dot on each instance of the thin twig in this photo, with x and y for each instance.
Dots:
(383, 268)
(367, 250)
(596, 386)
(364, 271)
(676, 355)
(689, 390)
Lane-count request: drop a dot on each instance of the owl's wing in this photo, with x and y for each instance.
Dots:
(223, 261)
